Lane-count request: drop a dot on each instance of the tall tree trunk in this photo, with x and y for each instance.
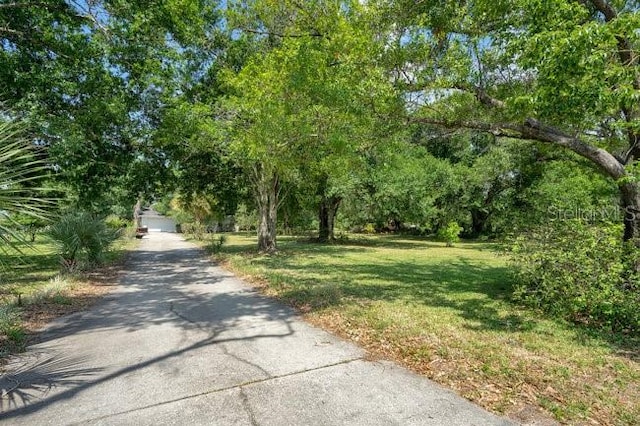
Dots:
(267, 189)
(326, 217)
(479, 221)
(137, 209)
(630, 201)
(327, 210)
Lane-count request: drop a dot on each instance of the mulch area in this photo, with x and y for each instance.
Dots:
(87, 291)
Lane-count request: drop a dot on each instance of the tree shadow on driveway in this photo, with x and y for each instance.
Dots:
(170, 303)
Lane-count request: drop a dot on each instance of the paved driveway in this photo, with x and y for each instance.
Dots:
(181, 341)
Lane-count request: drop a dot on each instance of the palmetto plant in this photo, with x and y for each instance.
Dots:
(21, 189)
(79, 235)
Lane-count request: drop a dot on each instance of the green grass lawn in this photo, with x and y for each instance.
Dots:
(26, 273)
(445, 312)
(32, 291)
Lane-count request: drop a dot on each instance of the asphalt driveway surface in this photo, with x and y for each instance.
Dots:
(182, 341)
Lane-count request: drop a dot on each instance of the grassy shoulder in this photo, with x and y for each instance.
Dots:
(445, 313)
(33, 292)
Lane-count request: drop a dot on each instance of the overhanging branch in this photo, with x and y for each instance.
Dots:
(534, 130)
(281, 35)
(481, 95)
(18, 5)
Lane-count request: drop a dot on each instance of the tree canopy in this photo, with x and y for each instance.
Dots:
(402, 113)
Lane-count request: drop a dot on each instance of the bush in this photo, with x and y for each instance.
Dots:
(80, 236)
(56, 290)
(194, 230)
(369, 228)
(245, 219)
(217, 242)
(450, 233)
(580, 272)
(10, 329)
(116, 222)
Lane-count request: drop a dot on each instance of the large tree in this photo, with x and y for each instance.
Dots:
(306, 105)
(562, 72)
(95, 76)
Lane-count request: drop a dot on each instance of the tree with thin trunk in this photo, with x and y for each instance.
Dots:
(299, 112)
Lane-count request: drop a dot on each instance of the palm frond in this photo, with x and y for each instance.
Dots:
(21, 184)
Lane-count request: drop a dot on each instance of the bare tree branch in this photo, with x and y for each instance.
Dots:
(267, 33)
(605, 8)
(17, 5)
(12, 32)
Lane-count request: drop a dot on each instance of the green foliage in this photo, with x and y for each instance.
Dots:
(504, 67)
(581, 272)
(163, 206)
(10, 326)
(408, 183)
(450, 233)
(28, 225)
(202, 167)
(246, 218)
(81, 236)
(305, 108)
(567, 186)
(194, 230)
(116, 222)
(369, 228)
(23, 198)
(217, 242)
(95, 78)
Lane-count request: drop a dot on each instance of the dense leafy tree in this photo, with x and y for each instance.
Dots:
(303, 109)
(94, 76)
(198, 157)
(560, 72)
(401, 187)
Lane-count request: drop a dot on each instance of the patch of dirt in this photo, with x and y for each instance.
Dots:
(85, 291)
(35, 316)
(530, 415)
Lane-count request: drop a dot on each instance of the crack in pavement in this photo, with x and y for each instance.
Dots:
(226, 351)
(224, 348)
(247, 406)
(212, 331)
(182, 316)
(226, 388)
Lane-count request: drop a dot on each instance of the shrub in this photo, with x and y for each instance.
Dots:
(369, 228)
(10, 329)
(116, 222)
(217, 242)
(56, 290)
(450, 233)
(580, 272)
(194, 230)
(81, 236)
